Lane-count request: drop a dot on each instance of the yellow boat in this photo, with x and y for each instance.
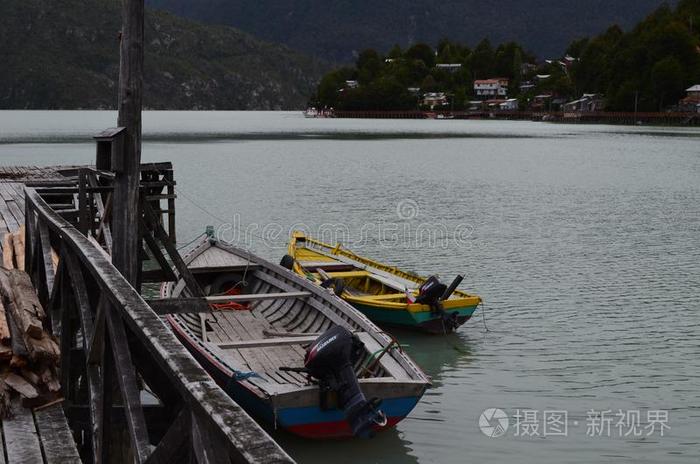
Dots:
(385, 294)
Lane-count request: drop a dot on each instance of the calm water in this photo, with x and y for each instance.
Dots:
(584, 241)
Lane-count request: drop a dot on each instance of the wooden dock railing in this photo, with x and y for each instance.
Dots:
(114, 347)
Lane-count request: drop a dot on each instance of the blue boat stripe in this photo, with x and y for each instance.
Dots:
(289, 417)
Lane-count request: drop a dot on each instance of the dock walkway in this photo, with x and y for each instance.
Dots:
(32, 435)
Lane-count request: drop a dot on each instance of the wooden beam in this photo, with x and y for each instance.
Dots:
(206, 445)
(104, 414)
(94, 379)
(157, 252)
(128, 385)
(67, 303)
(95, 344)
(46, 258)
(203, 305)
(160, 234)
(56, 438)
(21, 439)
(104, 228)
(127, 161)
(169, 450)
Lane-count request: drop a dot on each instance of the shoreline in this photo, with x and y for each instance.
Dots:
(602, 117)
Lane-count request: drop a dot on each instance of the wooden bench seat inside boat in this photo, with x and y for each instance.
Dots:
(266, 342)
(314, 266)
(348, 274)
(386, 297)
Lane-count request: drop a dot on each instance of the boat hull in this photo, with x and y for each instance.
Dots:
(307, 422)
(425, 321)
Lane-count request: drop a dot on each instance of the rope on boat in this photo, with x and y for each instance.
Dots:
(240, 375)
(375, 357)
(483, 315)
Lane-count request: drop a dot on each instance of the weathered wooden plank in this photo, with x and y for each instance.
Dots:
(4, 328)
(206, 445)
(56, 438)
(8, 218)
(159, 233)
(157, 253)
(170, 448)
(94, 381)
(2, 447)
(95, 345)
(202, 305)
(128, 384)
(26, 310)
(265, 342)
(46, 257)
(103, 229)
(244, 439)
(83, 211)
(21, 439)
(168, 177)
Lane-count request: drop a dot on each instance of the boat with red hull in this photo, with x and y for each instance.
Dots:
(253, 343)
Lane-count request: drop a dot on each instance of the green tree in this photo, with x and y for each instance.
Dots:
(368, 65)
(482, 60)
(328, 92)
(423, 53)
(668, 80)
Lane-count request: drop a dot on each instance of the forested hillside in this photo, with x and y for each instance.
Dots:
(338, 29)
(65, 54)
(652, 65)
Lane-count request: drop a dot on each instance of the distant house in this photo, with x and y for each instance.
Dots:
(691, 102)
(526, 85)
(493, 104)
(352, 84)
(413, 90)
(588, 103)
(434, 100)
(509, 105)
(451, 67)
(541, 102)
(693, 92)
(491, 88)
(527, 68)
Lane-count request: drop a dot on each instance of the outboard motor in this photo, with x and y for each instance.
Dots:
(431, 293)
(330, 359)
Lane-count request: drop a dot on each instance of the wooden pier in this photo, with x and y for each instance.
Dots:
(130, 392)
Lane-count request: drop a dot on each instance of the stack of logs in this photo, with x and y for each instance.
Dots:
(29, 355)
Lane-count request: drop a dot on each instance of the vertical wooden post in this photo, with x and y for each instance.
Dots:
(126, 162)
(125, 214)
(83, 212)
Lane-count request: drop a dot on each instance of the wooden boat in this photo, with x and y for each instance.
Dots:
(268, 317)
(383, 293)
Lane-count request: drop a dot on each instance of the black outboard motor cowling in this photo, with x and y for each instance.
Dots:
(431, 291)
(330, 359)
